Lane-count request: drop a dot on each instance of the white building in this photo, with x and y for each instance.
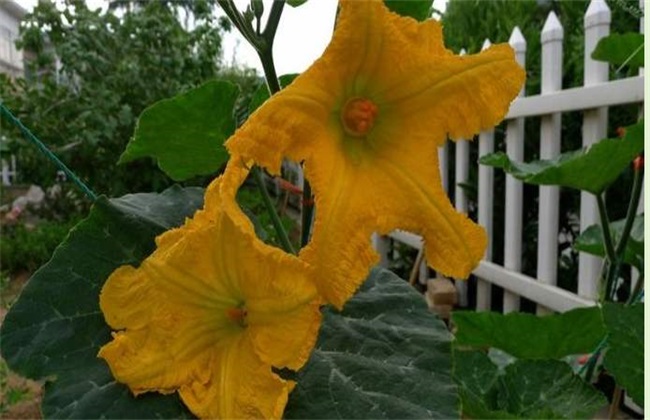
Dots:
(11, 59)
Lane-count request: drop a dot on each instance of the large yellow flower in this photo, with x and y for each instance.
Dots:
(209, 313)
(366, 118)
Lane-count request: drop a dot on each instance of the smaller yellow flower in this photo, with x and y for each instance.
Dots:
(209, 314)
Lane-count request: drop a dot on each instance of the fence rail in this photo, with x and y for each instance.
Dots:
(593, 99)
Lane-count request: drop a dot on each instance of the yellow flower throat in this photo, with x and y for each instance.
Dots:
(358, 116)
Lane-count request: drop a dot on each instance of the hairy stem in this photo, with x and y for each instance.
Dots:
(638, 290)
(273, 21)
(637, 187)
(275, 219)
(238, 20)
(604, 223)
(263, 45)
(611, 260)
(271, 76)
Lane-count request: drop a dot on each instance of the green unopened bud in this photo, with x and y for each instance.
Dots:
(258, 8)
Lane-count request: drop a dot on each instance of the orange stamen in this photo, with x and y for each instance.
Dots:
(358, 116)
(237, 315)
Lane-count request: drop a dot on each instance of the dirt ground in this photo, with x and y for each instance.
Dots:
(20, 398)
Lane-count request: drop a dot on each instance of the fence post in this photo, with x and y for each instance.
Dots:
(640, 208)
(461, 171)
(550, 135)
(594, 128)
(461, 175)
(514, 188)
(443, 153)
(443, 162)
(485, 207)
(382, 246)
(460, 198)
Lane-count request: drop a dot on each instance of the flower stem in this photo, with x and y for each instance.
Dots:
(275, 219)
(265, 53)
(637, 187)
(307, 213)
(614, 257)
(604, 223)
(611, 261)
(47, 152)
(590, 365)
(637, 292)
(263, 45)
(273, 21)
(272, 82)
(237, 19)
(264, 48)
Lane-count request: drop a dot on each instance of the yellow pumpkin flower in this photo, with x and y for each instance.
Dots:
(209, 314)
(366, 119)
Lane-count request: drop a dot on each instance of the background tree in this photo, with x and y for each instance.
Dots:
(94, 71)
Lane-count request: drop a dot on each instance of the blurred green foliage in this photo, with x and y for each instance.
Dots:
(24, 248)
(91, 74)
(467, 23)
(250, 200)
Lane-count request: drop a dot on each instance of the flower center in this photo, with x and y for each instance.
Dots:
(237, 315)
(358, 116)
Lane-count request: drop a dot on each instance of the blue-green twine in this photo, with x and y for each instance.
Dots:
(47, 152)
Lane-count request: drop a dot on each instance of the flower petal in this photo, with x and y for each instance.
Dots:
(282, 301)
(161, 357)
(239, 385)
(290, 321)
(456, 96)
(393, 188)
(454, 244)
(339, 251)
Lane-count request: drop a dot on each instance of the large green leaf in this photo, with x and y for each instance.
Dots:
(55, 329)
(592, 169)
(186, 133)
(591, 241)
(528, 336)
(624, 358)
(384, 356)
(619, 49)
(547, 389)
(477, 378)
(525, 389)
(417, 9)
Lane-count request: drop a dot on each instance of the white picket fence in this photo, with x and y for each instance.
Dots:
(594, 98)
(8, 171)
